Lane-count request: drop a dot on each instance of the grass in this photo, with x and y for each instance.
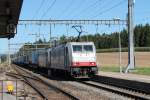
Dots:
(143, 71)
(109, 69)
(139, 70)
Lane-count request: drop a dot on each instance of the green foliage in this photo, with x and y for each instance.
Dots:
(111, 50)
(110, 69)
(106, 40)
(3, 58)
(142, 71)
(29, 47)
(142, 49)
(139, 49)
(138, 70)
(62, 39)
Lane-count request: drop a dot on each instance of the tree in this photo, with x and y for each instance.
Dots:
(147, 35)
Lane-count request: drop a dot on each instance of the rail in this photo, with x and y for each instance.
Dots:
(18, 69)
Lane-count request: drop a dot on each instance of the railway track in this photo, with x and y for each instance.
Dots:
(27, 81)
(141, 87)
(121, 90)
(46, 90)
(95, 83)
(74, 88)
(131, 94)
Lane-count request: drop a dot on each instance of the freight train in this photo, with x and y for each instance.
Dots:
(78, 59)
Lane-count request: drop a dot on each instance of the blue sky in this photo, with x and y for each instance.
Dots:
(73, 9)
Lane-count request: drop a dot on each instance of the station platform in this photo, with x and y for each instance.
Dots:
(7, 97)
(126, 76)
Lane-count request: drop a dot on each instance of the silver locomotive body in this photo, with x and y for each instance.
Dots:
(76, 58)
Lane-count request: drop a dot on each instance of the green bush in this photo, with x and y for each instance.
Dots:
(138, 49)
(138, 70)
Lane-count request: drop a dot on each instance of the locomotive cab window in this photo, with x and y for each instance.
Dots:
(88, 48)
(77, 48)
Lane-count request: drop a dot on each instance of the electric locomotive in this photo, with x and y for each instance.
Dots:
(76, 58)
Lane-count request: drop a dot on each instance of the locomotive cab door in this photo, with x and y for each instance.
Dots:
(50, 58)
(66, 57)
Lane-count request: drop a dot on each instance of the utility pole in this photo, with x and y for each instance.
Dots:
(50, 33)
(23, 51)
(36, 36)
(9, 53)
(131, 60)
(120, 54)
(119, 45)
(0, 60)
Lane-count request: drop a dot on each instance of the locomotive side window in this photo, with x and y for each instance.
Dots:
(77, 48)
(88, 48)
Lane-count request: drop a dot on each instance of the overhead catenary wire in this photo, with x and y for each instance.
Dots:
(48, 9)
(55, 1)
(100, 7)
(86, 9)
(109, 9)
(66, 8)
(73, 8)
(78, 6)
(39, 8)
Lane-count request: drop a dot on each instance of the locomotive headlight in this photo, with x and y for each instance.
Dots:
(92, 63)
(75, 63)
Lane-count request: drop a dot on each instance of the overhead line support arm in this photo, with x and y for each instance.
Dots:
(96, 22)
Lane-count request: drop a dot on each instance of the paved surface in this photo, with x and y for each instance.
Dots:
(140, 78)
(7, 97)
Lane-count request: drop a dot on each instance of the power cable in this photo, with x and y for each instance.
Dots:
(85, 9)
(70, 11)
(102, 6)
(49, 8)
(107, 10)
(80, 4)
(66, 8)
(38, 10)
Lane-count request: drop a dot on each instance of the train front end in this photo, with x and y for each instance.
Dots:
(83, 62)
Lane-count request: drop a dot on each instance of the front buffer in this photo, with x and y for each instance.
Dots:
(83, 69)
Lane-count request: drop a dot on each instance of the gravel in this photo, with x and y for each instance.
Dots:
(82, 91)
(91, 93)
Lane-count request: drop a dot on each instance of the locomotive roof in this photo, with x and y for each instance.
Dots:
(72, 43)
(80, 43)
